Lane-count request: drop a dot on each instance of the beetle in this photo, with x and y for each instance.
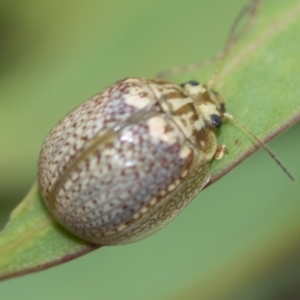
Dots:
(126, 162)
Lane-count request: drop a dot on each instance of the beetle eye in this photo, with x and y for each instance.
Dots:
(193, 82)
(216, 121)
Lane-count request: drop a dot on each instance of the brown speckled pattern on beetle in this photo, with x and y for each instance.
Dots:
(126, 162)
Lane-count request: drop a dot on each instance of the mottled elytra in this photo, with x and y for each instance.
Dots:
(126, 162)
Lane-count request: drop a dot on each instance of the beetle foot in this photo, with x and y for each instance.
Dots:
(221, 150)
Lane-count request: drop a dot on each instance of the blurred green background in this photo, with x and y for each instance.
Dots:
(241, 235)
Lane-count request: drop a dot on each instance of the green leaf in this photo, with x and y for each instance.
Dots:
(260, 83)
(34, 241)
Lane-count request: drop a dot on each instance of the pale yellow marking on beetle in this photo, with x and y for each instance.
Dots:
(199, 124)
(144, 210)
(171, 187)
(165, 106)
(177, 103)
(93, 161)
(67, 158)
(184, 173)
(177, 182)
(61, 193)
(121, 227)
(74, 176)
(72, 152)
(136, 216)
(208, 109)
(52, 168)
(162, 192)
(68, 184)
(109, 152)
(157, 127)
(132, 79)
(184, 152)
(79, 143)
(135, 98)
(152, 201)
(52, 180)
(196, 89)
(152, 90)
(110, 232)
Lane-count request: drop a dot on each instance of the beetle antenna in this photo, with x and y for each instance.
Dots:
(187, 68)
(234, 35)
(261, 144)
(232, 38)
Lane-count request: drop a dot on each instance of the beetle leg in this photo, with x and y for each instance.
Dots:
(221, 149)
